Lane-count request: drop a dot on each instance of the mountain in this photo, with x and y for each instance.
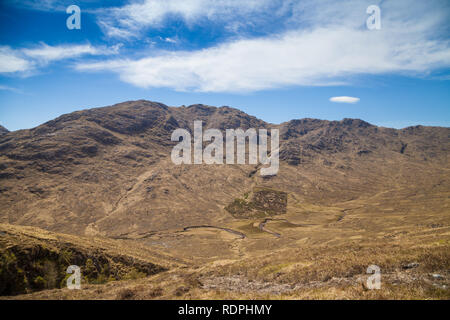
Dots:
(108, 171)
(100, 184)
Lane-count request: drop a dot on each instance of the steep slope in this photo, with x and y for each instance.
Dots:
(3, 130)
(107, 171)
(33, 259)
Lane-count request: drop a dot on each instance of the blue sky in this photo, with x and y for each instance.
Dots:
(277, 60)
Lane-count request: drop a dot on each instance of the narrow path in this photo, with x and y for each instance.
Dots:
(286, 220)
(144, 235)
(238, 233)
(262, 227)
(344, 213)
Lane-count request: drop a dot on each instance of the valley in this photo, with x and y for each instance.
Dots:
(100, 184)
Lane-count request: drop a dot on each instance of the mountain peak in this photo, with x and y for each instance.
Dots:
(357, 123)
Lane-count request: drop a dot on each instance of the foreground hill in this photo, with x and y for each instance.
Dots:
(414, 265)
(32, 259)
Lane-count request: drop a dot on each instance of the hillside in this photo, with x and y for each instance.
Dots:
(32, 259)
(348, 194)
(3, 130)
(108, 171)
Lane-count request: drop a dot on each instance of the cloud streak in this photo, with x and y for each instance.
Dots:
(12, 61)
(26, 60)
(130, 20)
(11, 89)
(48, 53)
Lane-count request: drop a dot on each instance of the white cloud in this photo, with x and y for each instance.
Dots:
(170, 40)
(319, 56)
(344, 99)
(325, 43)
(48, 53)
(114, 32)
(25, 60)
(7, 88)
(12, 61)
(136, 16)
(41, 5)
(54, 5)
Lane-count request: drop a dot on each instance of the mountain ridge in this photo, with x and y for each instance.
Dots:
(107, 170)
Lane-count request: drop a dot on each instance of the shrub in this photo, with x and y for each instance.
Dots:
(134, 274)
(39, 283)
(12, 278)
(125, 294)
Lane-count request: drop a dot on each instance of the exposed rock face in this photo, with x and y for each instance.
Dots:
(108, 171)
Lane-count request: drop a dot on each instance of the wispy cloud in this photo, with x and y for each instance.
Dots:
(324, 42)
(41, 5)
(315, 57)
(57, 5)
(7, 88)
(137, 16)
(170, 40)
(114, 32)
(13, 61)
(344, 99)
(46, 53)
(26, 60)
